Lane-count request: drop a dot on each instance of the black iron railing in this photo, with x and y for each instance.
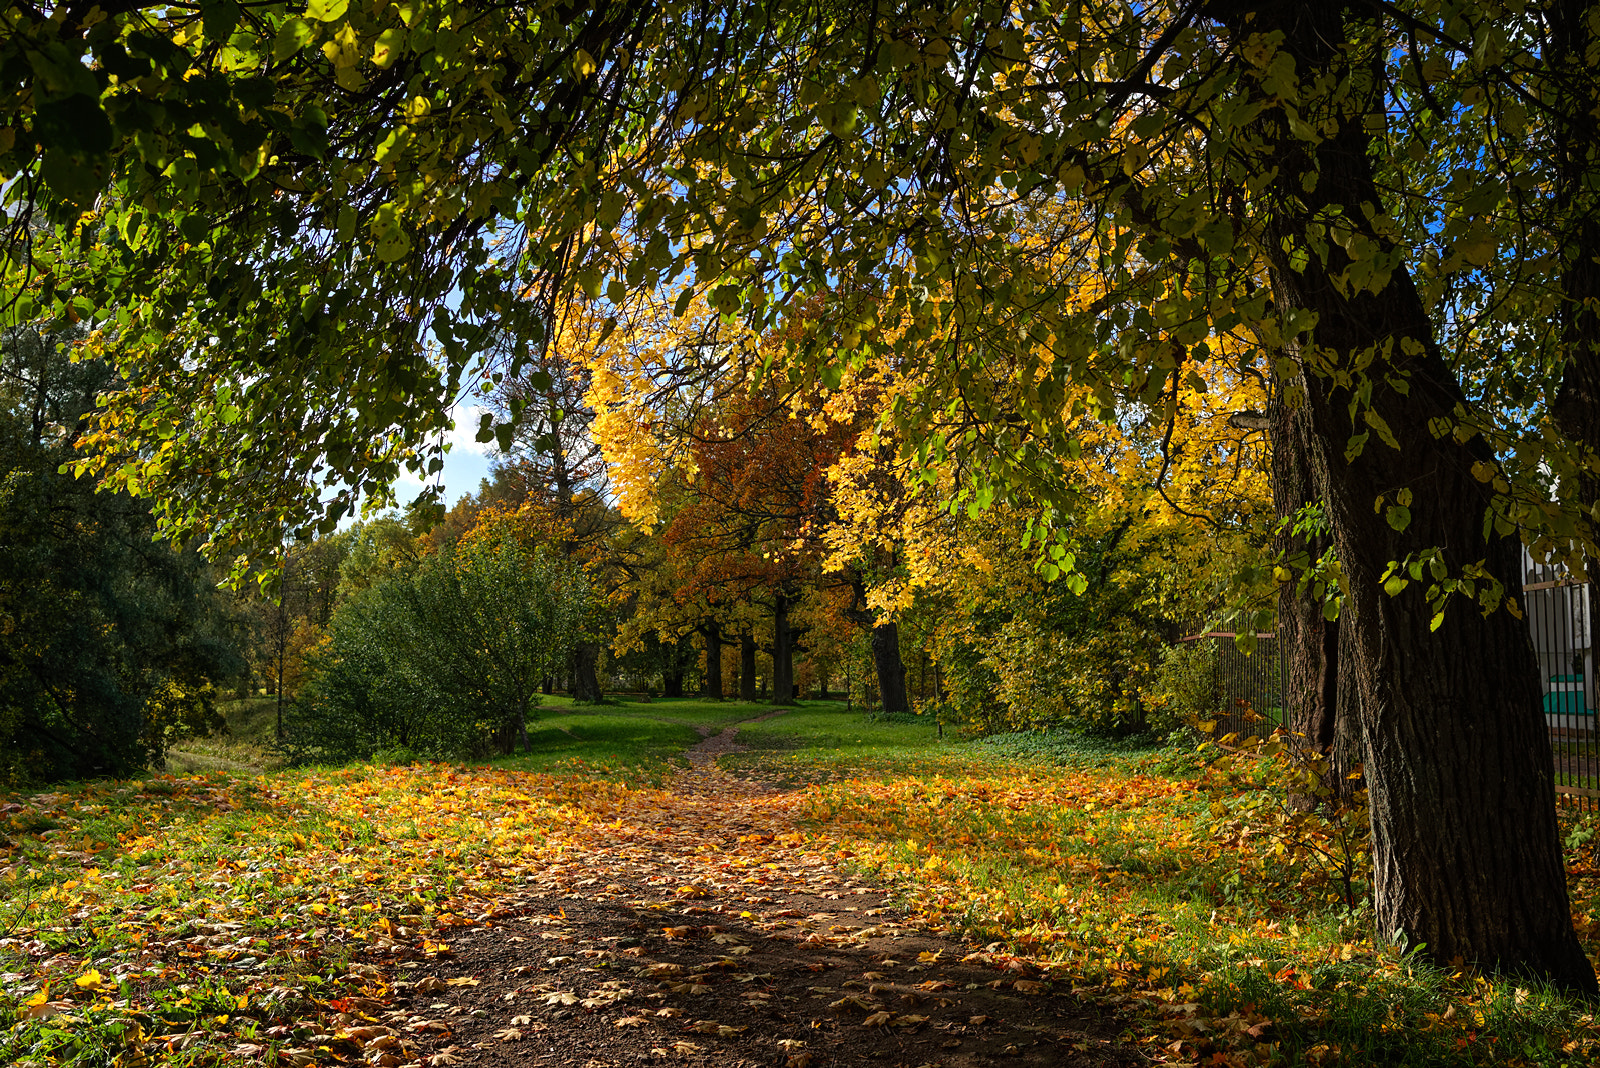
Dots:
(1251, 689)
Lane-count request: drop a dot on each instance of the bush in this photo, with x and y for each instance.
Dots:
(1188, 686)
(445, 661)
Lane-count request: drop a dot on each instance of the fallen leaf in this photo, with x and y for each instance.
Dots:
(877, 1019)
(631, 1021)
(712, 1027)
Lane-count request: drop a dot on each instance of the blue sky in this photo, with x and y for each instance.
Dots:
(465, 465)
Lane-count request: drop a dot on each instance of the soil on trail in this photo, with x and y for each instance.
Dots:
(713, 938)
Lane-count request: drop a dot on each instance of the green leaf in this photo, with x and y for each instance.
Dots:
(1375, 421)
(76, 123)
(293, 35)
(219, 18)
(388, 46)
(1398, 516)
(327, 10)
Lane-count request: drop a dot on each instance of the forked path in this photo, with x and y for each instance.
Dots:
(698, 925)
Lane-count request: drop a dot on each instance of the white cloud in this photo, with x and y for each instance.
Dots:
(464, 437)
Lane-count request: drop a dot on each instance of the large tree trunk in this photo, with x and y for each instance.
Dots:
(747, 666)
(1466, 855)
(585, 680)
(1321, 704)
(672, 677)
(782, 651)
(713, 677)
(891, 670)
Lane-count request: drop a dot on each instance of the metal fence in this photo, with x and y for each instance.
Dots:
(1250, 687)
(1559, 614)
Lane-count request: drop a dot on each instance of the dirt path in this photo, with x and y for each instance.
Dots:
(698, 930)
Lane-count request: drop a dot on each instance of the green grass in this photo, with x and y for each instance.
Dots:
(822, 742)
(247, 747)
(1104, 859)
(623, 739)
(686, 711)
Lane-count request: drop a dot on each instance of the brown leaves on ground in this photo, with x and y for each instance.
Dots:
(772, 957)
(436, 916)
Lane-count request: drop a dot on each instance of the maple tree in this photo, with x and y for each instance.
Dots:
(759, 478)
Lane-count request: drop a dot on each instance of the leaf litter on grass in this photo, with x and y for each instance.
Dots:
(373, 914)
(438, 914)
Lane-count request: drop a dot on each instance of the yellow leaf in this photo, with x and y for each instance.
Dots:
(583, 63)
(90, 980)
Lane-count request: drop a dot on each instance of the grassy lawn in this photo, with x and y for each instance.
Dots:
(212, 913)
(623, 738)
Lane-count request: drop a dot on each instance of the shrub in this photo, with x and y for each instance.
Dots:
(443, 661)
(1188, 687)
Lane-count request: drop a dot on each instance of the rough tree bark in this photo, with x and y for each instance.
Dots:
(1466, 855)
(1575, 76)
(712, 633)
(1575, 82)
(1320, 703)
(672, 676)
(884, 642)
(585, 679)
(782, 651)
(890, 667)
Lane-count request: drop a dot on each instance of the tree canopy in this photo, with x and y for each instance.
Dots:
(297, 229)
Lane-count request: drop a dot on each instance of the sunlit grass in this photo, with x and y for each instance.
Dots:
(1104, 861)
(1111, 866)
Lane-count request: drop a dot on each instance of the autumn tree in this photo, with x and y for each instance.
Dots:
(1347, 188)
